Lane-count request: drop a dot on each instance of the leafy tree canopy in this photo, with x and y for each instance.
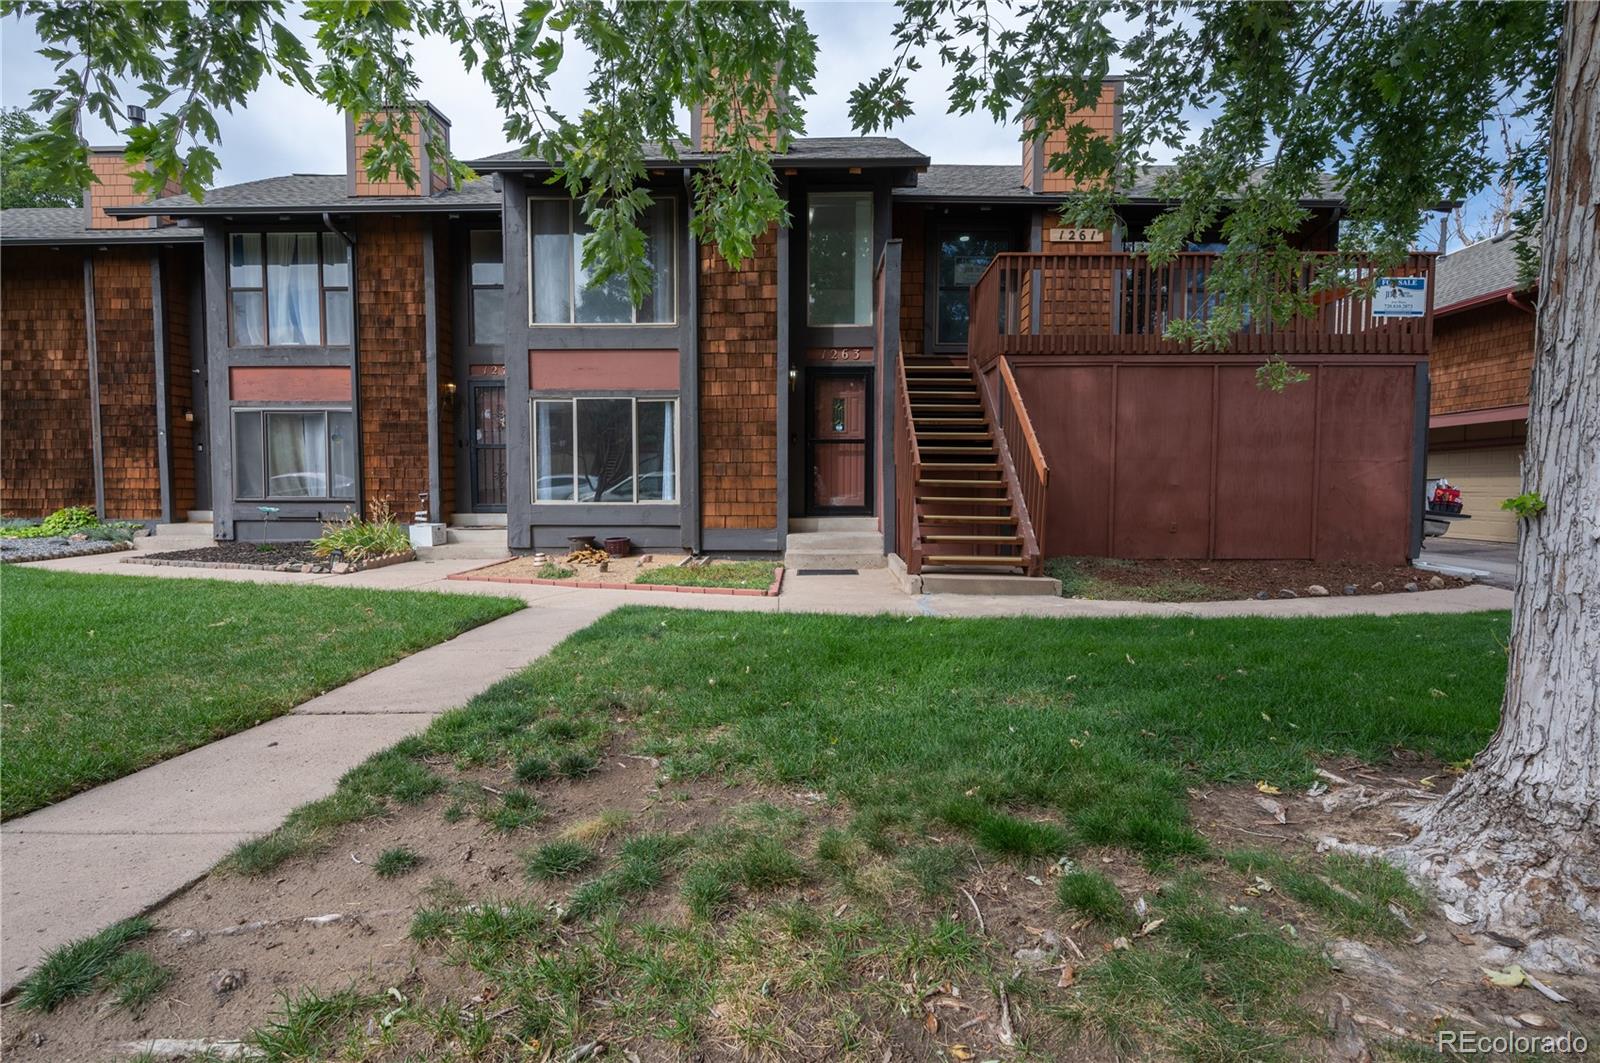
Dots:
(1387, 103)
(23, 182)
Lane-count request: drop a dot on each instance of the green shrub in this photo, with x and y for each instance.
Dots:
(359, 539)
(66, 521)
(400, 860)
(551, 570)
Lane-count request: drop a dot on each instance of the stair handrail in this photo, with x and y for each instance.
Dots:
(995, 411)
(908, 460)
(1033, 474)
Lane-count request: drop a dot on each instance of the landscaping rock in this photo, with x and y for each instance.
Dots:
(1412, 586)
(1378, 586)
(1317, 590)
(226, 980)
(1436, 582)
(1262, 596)
(1287, 593)
(1362, 961)
(1351, 588)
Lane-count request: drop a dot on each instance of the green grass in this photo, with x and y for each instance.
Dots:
(104, 675)
(134, 980)
(392, 863)
(558, 859)
(1089, 893)
(752, 575)
(1352, 896)
(551, 570)
(76, 969)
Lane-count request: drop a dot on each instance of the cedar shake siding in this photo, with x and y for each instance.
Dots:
(125, 346)
(739, 389)
(910, 227)
(444, 267)
(391, 366)
(48, 456)
(1482, 359)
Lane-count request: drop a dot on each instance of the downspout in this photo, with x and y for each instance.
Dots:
(1515, 299)
(355, 353)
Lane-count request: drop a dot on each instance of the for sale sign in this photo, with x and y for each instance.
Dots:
(1400, 297)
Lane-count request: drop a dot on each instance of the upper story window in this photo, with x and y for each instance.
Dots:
(288, 289)
(839, 258)
(561, 292)
(487, 279)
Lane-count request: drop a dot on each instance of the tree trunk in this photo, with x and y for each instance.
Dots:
(1516, 845)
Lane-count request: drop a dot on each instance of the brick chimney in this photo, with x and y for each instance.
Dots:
(1104, 118)
(115, 187)
(430, 180)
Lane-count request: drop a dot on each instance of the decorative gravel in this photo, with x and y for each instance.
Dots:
(13, 551)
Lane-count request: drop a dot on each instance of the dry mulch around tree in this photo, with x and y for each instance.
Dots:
(1118, 579)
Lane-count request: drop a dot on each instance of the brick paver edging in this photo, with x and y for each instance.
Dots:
(337, 568)
(595, 585)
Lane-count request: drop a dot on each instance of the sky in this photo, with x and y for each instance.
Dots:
(282, 130)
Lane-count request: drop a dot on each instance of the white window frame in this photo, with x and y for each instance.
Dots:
(233, 443)
(572, 269)
(872, 238)
(572, 401)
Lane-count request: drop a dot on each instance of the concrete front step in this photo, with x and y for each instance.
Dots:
(834, 549)
(986, 583)
(833, 524)
(479, 536)
(464, 551)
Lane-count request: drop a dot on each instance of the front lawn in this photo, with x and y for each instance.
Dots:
(961, 839)
(750, 575)
(104, 675)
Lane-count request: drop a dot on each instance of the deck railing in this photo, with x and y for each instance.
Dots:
(1118, 303)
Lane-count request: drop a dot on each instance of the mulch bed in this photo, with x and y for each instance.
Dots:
(1230, 580)
(239, 552)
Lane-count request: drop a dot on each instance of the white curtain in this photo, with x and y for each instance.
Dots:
(297, 455)
(292, 291)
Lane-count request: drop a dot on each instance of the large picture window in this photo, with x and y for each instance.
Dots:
(839, 258)
(487, 279)
(605, 450)
(294, 454)
(561, 290)
(288, 290)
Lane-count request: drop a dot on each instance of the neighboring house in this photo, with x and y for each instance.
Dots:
(926, 351)
(1482, 367)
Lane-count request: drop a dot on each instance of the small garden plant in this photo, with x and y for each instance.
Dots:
(358, 539)
(72, 520)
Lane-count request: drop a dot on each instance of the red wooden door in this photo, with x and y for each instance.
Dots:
(838, 440)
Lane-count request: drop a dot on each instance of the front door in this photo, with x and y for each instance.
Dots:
(487, 441)
(964, 253)
(838, 469)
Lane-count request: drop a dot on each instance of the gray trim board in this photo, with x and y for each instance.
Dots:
(217, 393)
(689, 377)
(94, 384)
(430, 358)
(741, 540)
(784, 357)
(519, 439)
(199, 392)
(887, 382)
(163, 442)
(1419, 456)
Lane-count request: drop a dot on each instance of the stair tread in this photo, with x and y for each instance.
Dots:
(978, 500)
(967, 518)
(974, 559)
(967, 465)
(941, 537)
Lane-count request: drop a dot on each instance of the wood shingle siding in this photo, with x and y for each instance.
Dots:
(1482, 359)
(391, 362)
(124, 311)
(739, 389)
(910, 226)
(47, 457)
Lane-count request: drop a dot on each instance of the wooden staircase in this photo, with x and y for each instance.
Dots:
(967, 512)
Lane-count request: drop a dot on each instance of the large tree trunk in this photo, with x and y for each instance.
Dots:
(1516, 845)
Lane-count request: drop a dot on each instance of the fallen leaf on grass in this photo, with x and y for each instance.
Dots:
(1069, 974)
(1509, 978)
(1267, 788)
(1121, 943)
(1149, 928)
(960, 1052)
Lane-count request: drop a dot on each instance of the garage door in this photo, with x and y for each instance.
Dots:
(1486, 478)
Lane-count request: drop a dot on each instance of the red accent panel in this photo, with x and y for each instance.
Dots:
(1070, 406)
(1265, 467)
(1364, 495)
(1162, 493)
(323, 383)
(603, 370)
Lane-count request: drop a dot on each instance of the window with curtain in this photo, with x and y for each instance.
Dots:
(565, 293)
(487, 278)
(290, 454)
(605, 450)
(839, 258)
(288, 289)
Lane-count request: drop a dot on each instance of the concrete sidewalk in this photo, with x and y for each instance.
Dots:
(115, 851)
(119, 849)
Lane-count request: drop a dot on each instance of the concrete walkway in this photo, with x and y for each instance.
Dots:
(119, 849)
